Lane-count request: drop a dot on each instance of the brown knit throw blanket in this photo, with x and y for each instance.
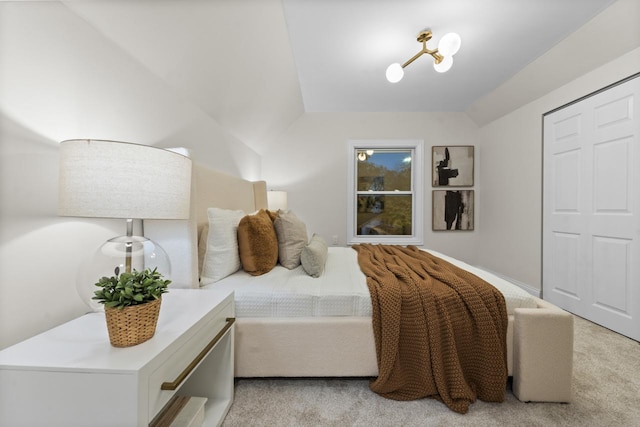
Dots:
(440, 331)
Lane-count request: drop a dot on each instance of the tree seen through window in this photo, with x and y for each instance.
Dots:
(384, 200)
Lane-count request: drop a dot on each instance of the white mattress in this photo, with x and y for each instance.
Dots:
(340, 291)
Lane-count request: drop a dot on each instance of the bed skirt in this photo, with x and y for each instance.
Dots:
(311, 347)
(539, 350)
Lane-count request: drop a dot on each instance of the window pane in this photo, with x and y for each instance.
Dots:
(383, 170)
(384, 215)
(385, 191)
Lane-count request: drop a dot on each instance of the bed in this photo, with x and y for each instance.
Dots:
(275, 340)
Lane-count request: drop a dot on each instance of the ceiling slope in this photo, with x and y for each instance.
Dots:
(569, 59)
(230, 58)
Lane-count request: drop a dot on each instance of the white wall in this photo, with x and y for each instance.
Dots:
(310, 163)
(62, 79)
(511, 175)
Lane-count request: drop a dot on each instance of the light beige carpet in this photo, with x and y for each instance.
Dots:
(606, 393)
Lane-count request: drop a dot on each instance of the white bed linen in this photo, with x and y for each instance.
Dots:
(514, 296)
(340, 291)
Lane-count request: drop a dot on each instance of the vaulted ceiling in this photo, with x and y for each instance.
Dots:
(255, 66)
(342, 48)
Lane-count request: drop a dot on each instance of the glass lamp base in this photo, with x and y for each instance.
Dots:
(116, 256)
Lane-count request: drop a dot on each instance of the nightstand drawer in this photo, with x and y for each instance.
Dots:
(179, 362)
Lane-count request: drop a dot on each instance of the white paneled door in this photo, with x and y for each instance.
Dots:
(591, 208)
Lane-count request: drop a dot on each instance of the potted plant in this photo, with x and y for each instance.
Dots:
(131, 304)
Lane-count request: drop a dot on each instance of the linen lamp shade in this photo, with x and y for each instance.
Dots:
(109, 179)
(277, 200)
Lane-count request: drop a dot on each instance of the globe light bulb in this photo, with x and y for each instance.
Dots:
(444, 65)
(395, 73)
(449, 44)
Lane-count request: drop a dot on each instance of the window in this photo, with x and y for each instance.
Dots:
(385, 194)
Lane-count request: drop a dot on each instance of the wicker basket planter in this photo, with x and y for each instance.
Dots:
(132, 325)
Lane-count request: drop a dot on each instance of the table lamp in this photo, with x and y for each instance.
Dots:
(277, 200)
(111, 179)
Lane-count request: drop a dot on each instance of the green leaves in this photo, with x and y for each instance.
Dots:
(137, 287)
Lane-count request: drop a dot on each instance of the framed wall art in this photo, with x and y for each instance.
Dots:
(453, 210)
(452, 166)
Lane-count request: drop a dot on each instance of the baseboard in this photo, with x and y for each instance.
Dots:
(530, 289)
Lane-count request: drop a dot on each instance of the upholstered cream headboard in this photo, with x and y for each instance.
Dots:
(209, 188)
(217, 189)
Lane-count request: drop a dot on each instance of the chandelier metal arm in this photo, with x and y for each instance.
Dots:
(438, 58)
(424, 37)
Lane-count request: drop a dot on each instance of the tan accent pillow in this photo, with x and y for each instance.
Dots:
(273, 215)
(257, 243)
(314, 256)
(292, 238)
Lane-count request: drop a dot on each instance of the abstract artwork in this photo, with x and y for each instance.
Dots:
(452, 166)
(453, 210)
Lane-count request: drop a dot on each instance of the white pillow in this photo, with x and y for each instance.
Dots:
(221, 257)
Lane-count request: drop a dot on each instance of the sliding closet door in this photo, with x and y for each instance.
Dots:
(591, 208)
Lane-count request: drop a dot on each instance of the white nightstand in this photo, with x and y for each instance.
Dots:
(72, 376)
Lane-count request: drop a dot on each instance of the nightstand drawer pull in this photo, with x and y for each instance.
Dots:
(175, 383)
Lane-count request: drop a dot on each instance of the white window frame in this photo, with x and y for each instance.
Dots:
(417, 190)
